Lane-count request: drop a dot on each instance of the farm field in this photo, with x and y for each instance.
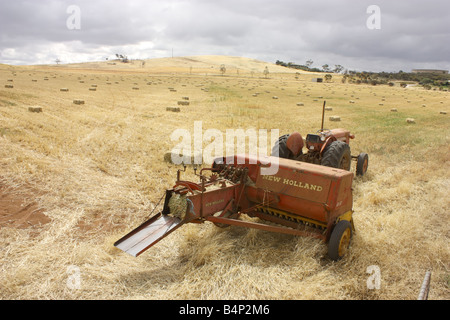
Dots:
(75, 178)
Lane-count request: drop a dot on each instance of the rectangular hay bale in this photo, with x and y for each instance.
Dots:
(78, 101)
(35, 109)
(335, 118)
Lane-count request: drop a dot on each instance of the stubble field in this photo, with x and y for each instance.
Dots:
(75, 178)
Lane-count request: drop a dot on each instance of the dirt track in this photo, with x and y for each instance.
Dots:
(19, 209)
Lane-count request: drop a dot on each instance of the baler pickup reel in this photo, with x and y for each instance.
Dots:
(301, 199)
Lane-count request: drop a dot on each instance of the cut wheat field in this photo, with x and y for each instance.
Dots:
(89, 167)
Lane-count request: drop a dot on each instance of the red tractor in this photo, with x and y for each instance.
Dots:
(326, 147)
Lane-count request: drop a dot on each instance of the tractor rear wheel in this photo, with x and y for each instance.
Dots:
(337, 155)
(280, 148)
(340, 240)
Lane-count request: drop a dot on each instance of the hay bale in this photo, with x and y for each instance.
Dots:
(64, 89)
(34, 80)
(135, 88)
(185, 98)
(410, 120)
(328, 109)
(275, 97)
(9, 86)
(35, 109)
(443, 112)
(173, 109)
(177, 205)
(394, 110)
(183, 103)
(92, 89)
(351, 101)
(78, 101)
(300, 104)
(174, 158)
(335, 118)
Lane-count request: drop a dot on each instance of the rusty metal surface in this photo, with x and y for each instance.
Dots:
(260, 226)
(149, 233)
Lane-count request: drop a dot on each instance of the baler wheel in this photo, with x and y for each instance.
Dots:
(337, 155)
(340, 240)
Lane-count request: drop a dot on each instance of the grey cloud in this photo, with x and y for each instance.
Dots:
(328, 31)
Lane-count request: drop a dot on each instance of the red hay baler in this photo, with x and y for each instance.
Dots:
(300, 198)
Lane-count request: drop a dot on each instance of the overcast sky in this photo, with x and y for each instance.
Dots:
(402, 35)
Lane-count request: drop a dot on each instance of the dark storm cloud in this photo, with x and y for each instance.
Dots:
(413, 33)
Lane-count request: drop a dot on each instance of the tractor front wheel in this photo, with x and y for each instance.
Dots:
(340, 240)
(362, 164)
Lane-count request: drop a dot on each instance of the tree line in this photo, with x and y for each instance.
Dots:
(427, 80)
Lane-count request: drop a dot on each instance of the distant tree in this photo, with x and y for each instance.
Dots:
(328, 77)
(223, 69)
(266, 72)
(281, 63)
(57, 61)
(309, 63)
(122, 58)
(338, 68)
(326, 68)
